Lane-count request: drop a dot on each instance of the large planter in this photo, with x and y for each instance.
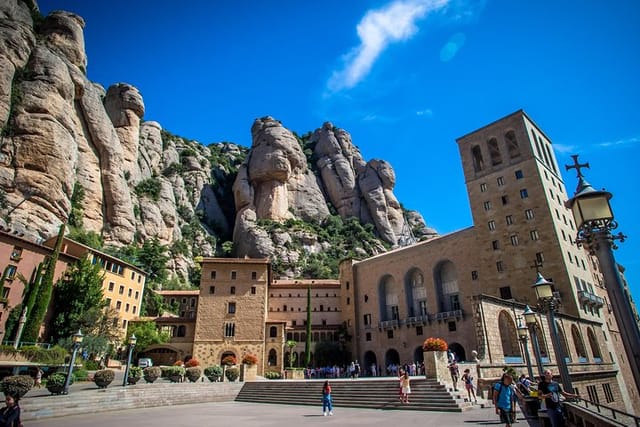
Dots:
(248, 372)
(293, 374)
(436, 366)
(103, 378)
(55, 383)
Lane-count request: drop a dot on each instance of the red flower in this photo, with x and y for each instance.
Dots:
(249, 359)
(435, 344)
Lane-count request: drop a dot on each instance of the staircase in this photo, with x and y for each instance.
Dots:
(426, 395)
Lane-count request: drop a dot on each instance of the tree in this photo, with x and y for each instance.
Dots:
(147, 334)
(291, 344)
(152, 258)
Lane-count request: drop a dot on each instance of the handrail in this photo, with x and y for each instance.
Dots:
(620, 417)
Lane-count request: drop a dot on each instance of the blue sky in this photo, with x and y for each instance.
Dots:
(405, 78)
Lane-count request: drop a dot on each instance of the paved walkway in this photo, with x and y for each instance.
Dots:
(253, 414)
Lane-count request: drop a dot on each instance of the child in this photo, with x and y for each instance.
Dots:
(326, 399)
(467, 378)
(406, 387)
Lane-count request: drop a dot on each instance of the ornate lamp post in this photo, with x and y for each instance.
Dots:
(548, 303)
(77, 340)
(132, 344)
(594, 222)
(523, 335)
(530, 320)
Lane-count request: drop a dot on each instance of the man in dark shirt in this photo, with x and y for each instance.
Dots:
(550, 391)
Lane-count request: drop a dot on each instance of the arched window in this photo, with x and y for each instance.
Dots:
(273, 332)
(447, 286)
(509, 338)
(296, 336)
(512, 144)
(581, 351)
(388, 297)
(563, 342)
(595, 348)
(273, 358)
(316, 337)
(478, 162)
(494, 151)
(416, 293)
(182, 331)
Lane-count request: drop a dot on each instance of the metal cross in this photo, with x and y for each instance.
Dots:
(577, 165)
(537, 265)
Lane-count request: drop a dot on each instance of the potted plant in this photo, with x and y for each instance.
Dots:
(104, 377)
(193, 373)
(135, 373)
(17, 385)
(249, 368)
(249, 359)
(214, 373)
(435, 359)
(55, 382)
(229, 360)
(232, 374)
(175, 374)
(191, 363)
(151, 373)
(434, 344)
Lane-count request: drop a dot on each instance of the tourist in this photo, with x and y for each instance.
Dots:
(10, 414)
(524, 384)
(467, 379)
(327, 405)
(405, 388)
(455, 374)
(550, 391)
(504, 393)
(38, 382)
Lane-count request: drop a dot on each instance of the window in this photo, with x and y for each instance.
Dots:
(534, 235)
(10, 272)
(108, 301)
(395, 314)
(505, 292)
(192, 302)
(492, 225)
(273, 332)
(539, 258)
(130, 292)
(487, 206)
(523, 193)
(608, 395)
(528, 213)
(483, 187)
(229, 329)
(512, 144)
(474, 275)
(231, 308)
(495, 245)
(111, 286)
(213, 274)
(137, 294)
(452, 326)
(348, 300)
(478, 162)
(519, 174)
(368, 336)
(118, 305)
(253, 290)
(500, 266)
(133, 275)
(514, 240)
(593, 394)
(234, 275)
(254, 275)
(367, 319)
(124, 323)
(212, 289)
(419, 330)
(494, 152)
(390, 333)
(509, 219)
(127, 307)
(500, 181)
(505, 200)
(232, 290)
(121, 290)
(16, 253)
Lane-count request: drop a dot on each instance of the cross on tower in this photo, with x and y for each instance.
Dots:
(537, 264)
(577, 165)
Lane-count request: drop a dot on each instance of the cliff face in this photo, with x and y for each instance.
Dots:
(60, 131)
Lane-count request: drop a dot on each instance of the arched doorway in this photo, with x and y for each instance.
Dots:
(458, 350)
(509, 338)
(370, 360)
(226, 354)
(392, 357)
(418, 355)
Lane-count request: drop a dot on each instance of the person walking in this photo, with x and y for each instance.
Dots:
(405, 384)
(455, 374)
(503, 399)
(467, 379)
(327, 404)
(10, 414)
(550, 391)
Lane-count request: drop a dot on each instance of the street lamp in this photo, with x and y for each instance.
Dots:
(132, 344)
(77, 340)
(548, 302)
(532, 323)
(594, 222)
(523, 335)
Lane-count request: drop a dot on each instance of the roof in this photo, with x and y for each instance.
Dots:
(175, 292)
(236, 261)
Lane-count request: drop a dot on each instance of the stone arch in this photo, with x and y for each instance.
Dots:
(512, 144)
(272, 358)
(388, 297)
(162, 354)
(478, 161)
(578, 343)
(370, 360)
(416, 293)
(542, 342)
(227, 353)
(563, 342)
(595, 347)
(446, 283)
(494, 151)
(391, 356)
(508, 335)
(418, 354)
(458, 350)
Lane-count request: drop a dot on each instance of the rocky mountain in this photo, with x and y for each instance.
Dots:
(70, 147)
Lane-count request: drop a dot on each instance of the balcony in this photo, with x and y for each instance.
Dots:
(447, 315)
(417, 320)
(588, 298)
(389, 324)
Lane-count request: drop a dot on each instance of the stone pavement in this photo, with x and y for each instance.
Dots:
(254, 414)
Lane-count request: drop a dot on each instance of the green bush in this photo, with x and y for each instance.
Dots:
(214, 373)
(272, 375)
(193, 373)
(17, 385)
(81, 374)
(151, 373)
(165, 370)
(175, 373)
(91, 365)
(104, 377)
(55, 382)
(149, 187)
(232, 374)
(135, 372)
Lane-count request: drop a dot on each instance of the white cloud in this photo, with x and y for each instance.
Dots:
(378, 28)
(425, 113)
(564, 148)
(628, 141)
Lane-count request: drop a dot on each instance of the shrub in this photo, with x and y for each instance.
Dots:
(272, 375)
(150, 187)
(192, 362)
(175, 373)
(135, 372)
(92, 365)
(213, 373)
(193, 373)
(232, 374)
(249, 359)
(435, 344)
(229, 360)
(55, 382)
(103, 377)
(17, 385)
(81, 374)
(151, 373)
